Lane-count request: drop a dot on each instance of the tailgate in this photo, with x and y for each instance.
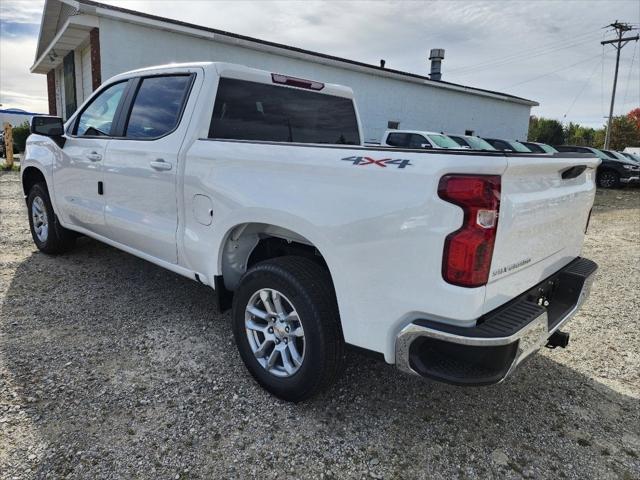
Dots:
(541, 223)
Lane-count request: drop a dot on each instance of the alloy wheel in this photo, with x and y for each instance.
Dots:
(274, 331)
(40, 219)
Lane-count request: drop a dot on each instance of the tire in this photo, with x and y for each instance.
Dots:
(305, 288)
(608, 179)
(49, 236)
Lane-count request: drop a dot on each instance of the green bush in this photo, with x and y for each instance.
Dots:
(20, 134)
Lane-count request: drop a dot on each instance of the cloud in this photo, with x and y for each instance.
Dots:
(18, 87)
(520, 47)
(21, 11)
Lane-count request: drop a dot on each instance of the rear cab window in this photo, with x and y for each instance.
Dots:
(247, 110)
(157, 106)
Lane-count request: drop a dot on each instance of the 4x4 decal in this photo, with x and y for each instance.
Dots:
(383, 162)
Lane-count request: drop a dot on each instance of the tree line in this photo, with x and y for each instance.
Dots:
(625, 132)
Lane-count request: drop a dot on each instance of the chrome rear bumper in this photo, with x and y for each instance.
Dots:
(502, 339)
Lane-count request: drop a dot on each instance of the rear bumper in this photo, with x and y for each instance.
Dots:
(631, 179)
(502, 339)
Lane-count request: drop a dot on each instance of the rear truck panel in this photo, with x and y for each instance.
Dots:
(536, 283)
(542, 222)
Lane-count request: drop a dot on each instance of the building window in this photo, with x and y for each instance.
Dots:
(69, 75)
(469, 132)
(392, 125)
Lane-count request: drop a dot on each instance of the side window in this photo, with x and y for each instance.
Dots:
(157, 106)
(398, 139)
(416, 141)
(97, 118)
(257, 111)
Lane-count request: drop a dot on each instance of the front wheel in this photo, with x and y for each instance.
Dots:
(48, 235)
(608, 179)
(287, 328)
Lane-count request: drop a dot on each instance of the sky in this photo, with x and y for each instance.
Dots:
(545, 50)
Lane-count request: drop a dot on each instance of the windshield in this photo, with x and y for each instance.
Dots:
(518, 147)
(533, 147)
(478, 143)
(610, 154)
(547, 148)
(600, 154)
(442, 141)
(619, 156)
(460, 141)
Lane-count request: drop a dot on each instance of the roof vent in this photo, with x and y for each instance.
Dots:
(436, 56)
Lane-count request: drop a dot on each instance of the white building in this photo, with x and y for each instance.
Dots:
(83, 42)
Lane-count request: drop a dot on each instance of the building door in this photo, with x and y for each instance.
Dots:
(141, 209)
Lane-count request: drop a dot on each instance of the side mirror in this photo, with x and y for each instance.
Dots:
(426, 145)
(47, 126)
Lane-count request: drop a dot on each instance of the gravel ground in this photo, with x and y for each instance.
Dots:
(111, 367)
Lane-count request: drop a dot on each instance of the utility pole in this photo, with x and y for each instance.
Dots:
(617, 43)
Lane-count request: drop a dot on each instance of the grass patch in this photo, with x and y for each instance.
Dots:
(14, 168)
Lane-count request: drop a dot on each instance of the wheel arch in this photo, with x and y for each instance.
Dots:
(246, 244)
(30, 176)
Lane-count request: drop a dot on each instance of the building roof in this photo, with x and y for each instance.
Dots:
(60, 15)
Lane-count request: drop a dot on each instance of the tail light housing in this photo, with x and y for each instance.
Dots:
(468, 251)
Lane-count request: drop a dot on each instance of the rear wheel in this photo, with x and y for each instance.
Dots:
(48, 235)
(608, 179)
(286, 327)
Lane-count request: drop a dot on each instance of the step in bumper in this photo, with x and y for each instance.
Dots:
(489, 352)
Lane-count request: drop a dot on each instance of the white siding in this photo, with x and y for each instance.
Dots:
(59, 91)
(380, 99)
(85, 60)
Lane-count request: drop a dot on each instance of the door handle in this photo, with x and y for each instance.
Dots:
(160, 164)
(94, 156)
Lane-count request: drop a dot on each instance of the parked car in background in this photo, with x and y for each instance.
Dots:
(417, 139)
(615, 155)
(507, 145)
(472, 142)
(537, 147)
(612, 172)
(631, 156)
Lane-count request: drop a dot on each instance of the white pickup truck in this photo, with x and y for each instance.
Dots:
(454, 265)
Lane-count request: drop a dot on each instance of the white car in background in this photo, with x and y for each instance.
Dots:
(472, 142)
(417, 139)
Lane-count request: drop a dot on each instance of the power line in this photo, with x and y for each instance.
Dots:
(582, 89)
(463, 71)
(626, 91)
(519, 55)
(552, 72)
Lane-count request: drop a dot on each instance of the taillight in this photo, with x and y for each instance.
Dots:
(296, 82)
(468, 250)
